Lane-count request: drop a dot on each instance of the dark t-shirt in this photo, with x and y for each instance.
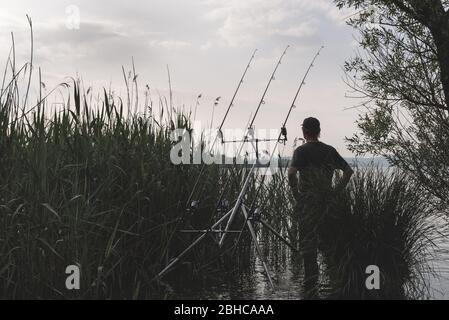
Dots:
(316, 162)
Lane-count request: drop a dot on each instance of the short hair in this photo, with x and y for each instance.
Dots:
(312, 126)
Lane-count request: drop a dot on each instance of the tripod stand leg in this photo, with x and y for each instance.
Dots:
(189, 248)
(256, 244)
(238, 204)
(265, 224)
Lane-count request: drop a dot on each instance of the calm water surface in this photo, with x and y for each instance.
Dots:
(288, 278)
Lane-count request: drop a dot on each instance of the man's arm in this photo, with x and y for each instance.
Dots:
(293, 181)
(343, 165)
(347, 174)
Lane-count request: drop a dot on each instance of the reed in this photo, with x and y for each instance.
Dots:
(384, 218)
(89, 185)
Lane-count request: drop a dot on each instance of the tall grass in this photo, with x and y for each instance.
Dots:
(384, 218)
(91, 186)
(91, 183)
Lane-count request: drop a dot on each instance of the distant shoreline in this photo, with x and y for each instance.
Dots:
(284, 162)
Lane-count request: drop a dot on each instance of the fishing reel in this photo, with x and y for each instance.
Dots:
(250, 133)
(283, 139)
(256, 215)
(223, 206)
(194, 206)
(220, 136)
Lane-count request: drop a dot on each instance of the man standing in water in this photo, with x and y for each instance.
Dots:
(316, 163)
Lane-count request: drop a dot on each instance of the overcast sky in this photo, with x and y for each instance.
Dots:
(207, 44)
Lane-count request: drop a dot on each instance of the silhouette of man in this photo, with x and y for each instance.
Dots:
(316, 163)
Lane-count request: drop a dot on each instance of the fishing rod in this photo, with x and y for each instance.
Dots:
(189, 203)
(245, 140)
(231, 104)
(282, 138)
(235, 94)
(262, 100)
(249, 126)
(233, 211)
(283, 134)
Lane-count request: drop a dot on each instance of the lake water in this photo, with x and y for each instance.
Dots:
(288, 285)
(288, 277)
(439, 283)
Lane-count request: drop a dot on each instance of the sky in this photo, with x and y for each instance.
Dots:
(207, 45)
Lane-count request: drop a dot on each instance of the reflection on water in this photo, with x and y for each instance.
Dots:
(254, 285)
(288, 278)
(439, 283)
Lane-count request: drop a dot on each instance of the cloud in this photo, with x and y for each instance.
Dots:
(305, 29)
(245, 23)
(218, 35)
(88, 33)
(7, 19)
(170, 44)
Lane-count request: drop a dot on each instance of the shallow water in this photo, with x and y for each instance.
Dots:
(288, 277)
(254, 285)
(439, 283)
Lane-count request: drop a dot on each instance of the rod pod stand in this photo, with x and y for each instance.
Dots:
(238, 207)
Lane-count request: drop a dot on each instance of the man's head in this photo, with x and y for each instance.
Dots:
(311, 128)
